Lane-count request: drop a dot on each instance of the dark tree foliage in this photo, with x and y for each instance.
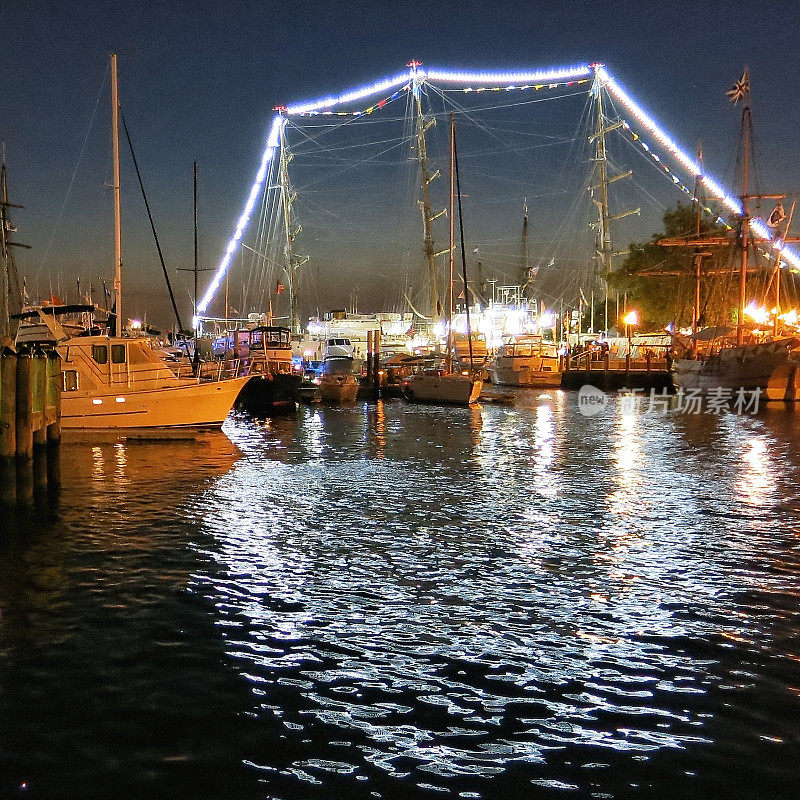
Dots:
(661, 299)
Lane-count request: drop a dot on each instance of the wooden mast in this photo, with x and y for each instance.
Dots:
(117, 213)
(452, 243)
(745, 233)
(422, 126)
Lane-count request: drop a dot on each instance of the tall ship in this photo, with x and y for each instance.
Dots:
(749, 360)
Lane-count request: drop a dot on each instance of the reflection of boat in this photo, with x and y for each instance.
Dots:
(445, 385)
(337, 387)
(275, 383)
(527, 361)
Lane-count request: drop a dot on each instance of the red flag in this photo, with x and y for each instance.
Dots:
(279, 288)
(56, 301)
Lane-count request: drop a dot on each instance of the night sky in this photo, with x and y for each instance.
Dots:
(198, 81)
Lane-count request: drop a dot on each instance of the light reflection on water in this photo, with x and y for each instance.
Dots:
(458, 595)
(386, 600)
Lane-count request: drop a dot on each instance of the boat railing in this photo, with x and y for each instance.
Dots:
(210, 371)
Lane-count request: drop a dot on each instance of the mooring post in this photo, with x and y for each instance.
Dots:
(368, 363)
(376, 362)
(24, 404)
(8, 403)
(38, 395)
(53, 398)
(8, 425)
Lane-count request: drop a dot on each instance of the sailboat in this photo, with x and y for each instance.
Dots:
(750, 363)
(118, 382)
(443, 385)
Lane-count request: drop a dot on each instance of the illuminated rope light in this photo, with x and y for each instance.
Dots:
(536, 76)
(535, 86)
(349, 97)
(415, 75)
(731, 203)
(377, 106)
(273, 141)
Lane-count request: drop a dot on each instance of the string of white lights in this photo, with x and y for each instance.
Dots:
(416, 73)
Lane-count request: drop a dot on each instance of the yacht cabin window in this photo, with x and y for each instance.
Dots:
(117, 353)
(70, 380)
(100, 353)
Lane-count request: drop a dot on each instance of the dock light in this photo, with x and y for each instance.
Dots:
(136, 324)
(547, 319)
(631, 318)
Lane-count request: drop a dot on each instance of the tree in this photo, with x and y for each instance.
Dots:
(659, 280)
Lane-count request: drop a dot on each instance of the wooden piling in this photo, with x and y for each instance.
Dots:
(376, 362)
(24, 405)
(38, 392)
(53, 398)
(8, 403)
(30, 418)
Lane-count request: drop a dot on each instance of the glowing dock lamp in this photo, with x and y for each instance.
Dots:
(630, 319)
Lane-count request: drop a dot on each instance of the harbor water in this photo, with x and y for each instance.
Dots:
(397, 601)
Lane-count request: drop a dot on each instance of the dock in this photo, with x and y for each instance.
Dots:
(618, 373)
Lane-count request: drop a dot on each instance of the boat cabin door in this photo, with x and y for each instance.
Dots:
(118, 363)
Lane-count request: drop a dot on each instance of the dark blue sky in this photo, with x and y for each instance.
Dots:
(199, 80)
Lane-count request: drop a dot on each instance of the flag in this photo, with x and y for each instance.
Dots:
(279, 288)
(777, 216)
(475, 250)
(741, 89)
(55, 300)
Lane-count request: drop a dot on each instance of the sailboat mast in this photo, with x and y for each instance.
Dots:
(463, 250)
(745, 241)
(117, 212)
(698, 256)
(526, 266)
(452, 243)
(195, 321)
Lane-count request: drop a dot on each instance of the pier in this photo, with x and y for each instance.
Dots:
(30, 423)
(650, 372)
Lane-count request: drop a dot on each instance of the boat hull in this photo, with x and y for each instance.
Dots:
(338, 388)
(447, 389)
(191, 405)
(525, 376)
(747, 367)
(270, 394)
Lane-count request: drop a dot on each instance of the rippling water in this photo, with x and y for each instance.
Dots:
(408, 601)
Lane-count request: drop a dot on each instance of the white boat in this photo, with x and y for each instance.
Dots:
(527, 361)
(337, 387)
(439, 386)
